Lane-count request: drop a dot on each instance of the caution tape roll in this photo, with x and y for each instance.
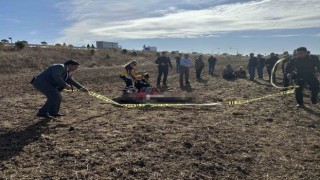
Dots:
(271, 78)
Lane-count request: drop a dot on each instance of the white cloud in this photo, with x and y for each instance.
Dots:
(10, 20)
(278, 36)
(114, 20)
(33, 33)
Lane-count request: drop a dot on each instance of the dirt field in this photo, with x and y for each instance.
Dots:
(269, 139)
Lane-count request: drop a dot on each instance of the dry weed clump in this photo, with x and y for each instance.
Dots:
(13, 60)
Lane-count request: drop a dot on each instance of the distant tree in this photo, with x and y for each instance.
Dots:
(4, 41)
(134, 53)
(70, 46)
(20, 44)
(173, 52)
(88, 46)
(25, 42)
(44, 43)
(92, 46)
(64, 44)
(58, 45)
(124, 51)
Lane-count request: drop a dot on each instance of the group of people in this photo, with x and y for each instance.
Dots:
(300, 67)
(258, 63)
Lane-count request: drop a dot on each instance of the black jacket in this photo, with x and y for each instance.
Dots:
(305, 67)
(164, 62)
(139, 84)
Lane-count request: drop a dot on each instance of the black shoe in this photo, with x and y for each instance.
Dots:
(300, 105)
(57, 115)
(44, 115)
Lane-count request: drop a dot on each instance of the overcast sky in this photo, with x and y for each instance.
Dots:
(207, 26)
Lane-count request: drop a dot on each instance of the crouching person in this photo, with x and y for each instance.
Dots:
(240, 73)
(129, 75)
(53, 80)
(144, 86)
(228, 72)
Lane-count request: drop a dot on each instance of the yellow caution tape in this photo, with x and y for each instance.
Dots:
(105, 99)
(238, 102)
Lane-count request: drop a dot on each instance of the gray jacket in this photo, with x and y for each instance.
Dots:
(57, 76)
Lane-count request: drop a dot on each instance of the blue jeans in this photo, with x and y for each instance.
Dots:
(260, 71)
(251, 72)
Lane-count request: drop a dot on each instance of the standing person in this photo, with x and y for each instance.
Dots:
(178, 62)
(270, 62)
(53, 80)
(199, 65)
(185, 63)
(261, 62)
(286, 60)
(129, 75)
(163, 68)
(304, 68)
(212, 63)
(252, 65)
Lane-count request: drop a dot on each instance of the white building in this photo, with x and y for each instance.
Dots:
(149, 48)
(107, 45)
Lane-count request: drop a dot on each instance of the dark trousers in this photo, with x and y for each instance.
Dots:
(260, 71)
(211, 69)
(184, 72)
(198, 73)
(178, 67)
(313, 83)
(269, 73)
(286, 80)
(52, 105)
(129, 82)
(252, 72)
(164, 71)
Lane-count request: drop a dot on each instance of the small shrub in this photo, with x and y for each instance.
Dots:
(108, 56)
(124, 51)
(134, 53)
(20, 44)
(92, 52)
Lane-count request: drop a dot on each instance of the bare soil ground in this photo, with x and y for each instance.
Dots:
(269, 139)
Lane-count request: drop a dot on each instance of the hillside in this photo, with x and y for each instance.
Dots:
(267, 139)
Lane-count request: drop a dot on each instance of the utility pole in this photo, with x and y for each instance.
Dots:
(10, 39)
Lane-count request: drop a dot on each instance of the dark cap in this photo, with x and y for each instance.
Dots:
(71, 62)
(302, 49)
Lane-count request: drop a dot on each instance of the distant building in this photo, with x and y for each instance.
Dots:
(107, 45)
(149, 48)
